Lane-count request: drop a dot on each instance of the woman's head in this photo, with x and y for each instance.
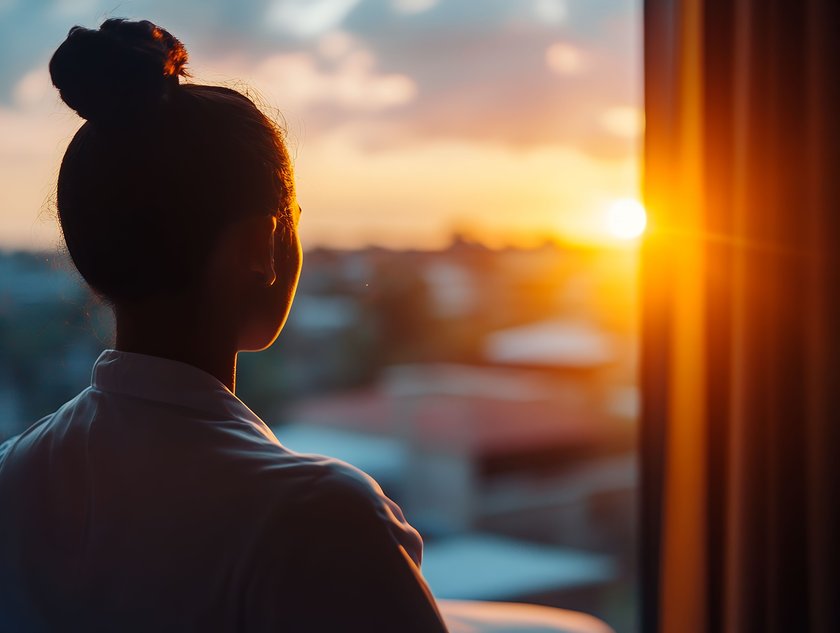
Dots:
(161, 170)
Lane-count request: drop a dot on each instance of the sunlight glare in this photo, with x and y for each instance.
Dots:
(626, 219)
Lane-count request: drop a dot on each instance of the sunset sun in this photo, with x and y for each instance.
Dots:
(626, 219)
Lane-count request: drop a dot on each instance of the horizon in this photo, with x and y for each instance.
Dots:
(533, 242)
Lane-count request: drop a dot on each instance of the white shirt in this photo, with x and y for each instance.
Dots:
(157, 501)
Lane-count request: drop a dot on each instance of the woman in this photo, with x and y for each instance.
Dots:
(156, 500)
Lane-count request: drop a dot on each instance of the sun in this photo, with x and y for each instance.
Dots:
(626, 219)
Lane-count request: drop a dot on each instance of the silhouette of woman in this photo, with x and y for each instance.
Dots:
(156, 500)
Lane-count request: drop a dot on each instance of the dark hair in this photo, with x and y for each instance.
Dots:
(160, 168)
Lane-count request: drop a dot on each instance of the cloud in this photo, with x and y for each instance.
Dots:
(336, 44)
(299, 81)
(73, 8)
(551, 11)
(565, 59)
(623, 121)
(504, 77)
(33, 144)
(531, 73)
(35, 89)
(307, 18)
(413, 6)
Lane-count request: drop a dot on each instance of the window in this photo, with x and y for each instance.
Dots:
(466, 325)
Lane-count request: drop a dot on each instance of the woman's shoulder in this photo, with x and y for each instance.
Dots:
(332, 492)
(39, 438)
(340, 557)
(322, 481)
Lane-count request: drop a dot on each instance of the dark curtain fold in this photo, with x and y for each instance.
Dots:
(741, 341)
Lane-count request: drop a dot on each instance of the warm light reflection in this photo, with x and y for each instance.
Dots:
(626, 219)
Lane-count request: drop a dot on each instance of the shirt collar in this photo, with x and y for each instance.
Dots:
(170, 382)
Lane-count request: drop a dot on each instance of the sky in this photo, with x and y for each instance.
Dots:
(510, 121)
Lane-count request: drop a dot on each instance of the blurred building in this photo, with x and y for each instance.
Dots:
(490, 392)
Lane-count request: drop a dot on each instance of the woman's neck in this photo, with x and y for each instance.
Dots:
(167, 330)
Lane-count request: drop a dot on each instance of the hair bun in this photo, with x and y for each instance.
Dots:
(119, 71)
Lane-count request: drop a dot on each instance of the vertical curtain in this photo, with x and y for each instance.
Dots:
(740, 375)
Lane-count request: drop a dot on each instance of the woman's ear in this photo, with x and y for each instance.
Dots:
(258, 248)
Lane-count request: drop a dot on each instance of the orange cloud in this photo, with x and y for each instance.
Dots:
(565, 59)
